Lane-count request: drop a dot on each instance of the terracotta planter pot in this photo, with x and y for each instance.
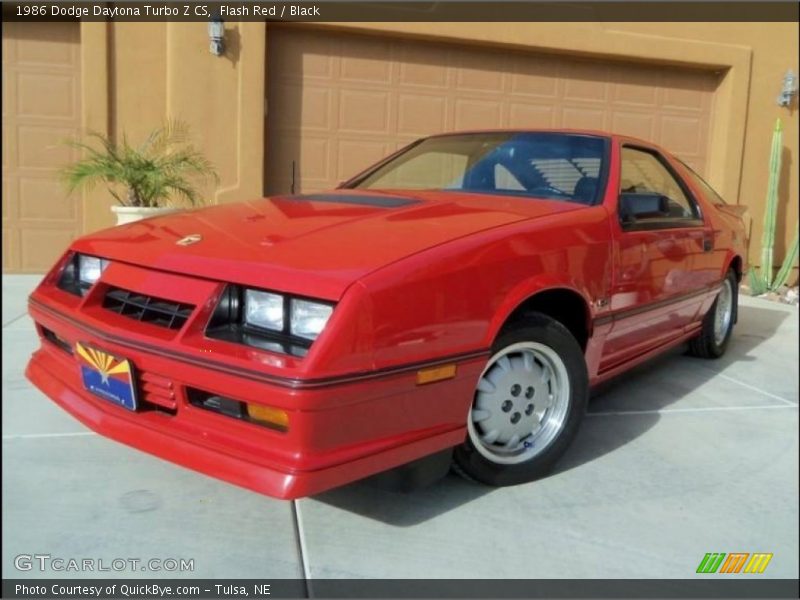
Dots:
(129, 214)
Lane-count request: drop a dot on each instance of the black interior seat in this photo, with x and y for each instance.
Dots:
(585, 190)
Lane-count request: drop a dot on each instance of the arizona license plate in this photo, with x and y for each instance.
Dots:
(106, 375)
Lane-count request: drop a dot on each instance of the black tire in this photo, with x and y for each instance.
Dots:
(705, 345)
(469, 462)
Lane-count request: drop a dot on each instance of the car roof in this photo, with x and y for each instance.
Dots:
(589, 132)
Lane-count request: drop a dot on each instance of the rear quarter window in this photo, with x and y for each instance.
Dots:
(701, 183)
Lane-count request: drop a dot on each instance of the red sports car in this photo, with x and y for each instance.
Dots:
(453, 304)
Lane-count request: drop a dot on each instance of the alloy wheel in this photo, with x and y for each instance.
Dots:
(521, 403)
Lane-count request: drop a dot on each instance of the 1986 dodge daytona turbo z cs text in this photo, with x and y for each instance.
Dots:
(452, 304)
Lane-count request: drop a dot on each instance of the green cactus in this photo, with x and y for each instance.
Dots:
(788, 262)
(762, 281)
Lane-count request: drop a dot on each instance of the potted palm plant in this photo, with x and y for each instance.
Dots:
(156, 177)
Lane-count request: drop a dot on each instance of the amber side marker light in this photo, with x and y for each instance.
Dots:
(258, 414)
(272, 417)
(432, 374)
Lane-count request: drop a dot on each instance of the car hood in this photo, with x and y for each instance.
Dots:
(313, 245)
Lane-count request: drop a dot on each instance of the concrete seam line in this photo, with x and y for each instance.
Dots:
(756, 389)
(36, 436)
(14, 320)
(686, 410)
(301, 546)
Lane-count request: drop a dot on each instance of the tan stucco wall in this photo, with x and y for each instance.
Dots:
(157, 70)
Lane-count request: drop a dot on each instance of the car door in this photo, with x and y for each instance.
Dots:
(655, 292)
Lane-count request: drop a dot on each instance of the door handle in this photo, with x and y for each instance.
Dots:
(708, 243)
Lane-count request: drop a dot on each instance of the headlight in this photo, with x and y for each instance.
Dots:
(90, 268)
(81, 272)
(270, 321)
(263, 309)
(308, 319)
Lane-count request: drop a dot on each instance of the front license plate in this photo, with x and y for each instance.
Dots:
(107, 376)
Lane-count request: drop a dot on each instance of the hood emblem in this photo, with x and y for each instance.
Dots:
(189, 240)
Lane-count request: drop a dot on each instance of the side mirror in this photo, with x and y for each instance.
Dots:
(634, 206)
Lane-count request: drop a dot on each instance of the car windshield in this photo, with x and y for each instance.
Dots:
(557, 166)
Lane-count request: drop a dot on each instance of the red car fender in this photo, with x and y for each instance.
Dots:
(528, 289)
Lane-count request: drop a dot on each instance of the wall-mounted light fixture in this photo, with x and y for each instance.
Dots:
(789, 89)
(216, 35)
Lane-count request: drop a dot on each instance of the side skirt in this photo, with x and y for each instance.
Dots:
(629, 364)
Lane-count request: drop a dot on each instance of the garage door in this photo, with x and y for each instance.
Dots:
(41, 108)
(339, 102)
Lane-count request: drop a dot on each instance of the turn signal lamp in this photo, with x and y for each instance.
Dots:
(432, 374)
(266, 415)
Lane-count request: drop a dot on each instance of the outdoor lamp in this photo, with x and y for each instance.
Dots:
(789, 88)
(216, 33)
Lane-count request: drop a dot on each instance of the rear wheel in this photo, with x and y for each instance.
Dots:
(718, 322)
(527, 407)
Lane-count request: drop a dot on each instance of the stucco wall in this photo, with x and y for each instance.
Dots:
(156, 70)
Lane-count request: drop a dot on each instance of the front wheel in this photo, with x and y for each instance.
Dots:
(527, 407)
(717, 328)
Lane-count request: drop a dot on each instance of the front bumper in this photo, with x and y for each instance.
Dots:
(337, 433)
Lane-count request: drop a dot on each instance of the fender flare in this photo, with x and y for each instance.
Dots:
(526, 290)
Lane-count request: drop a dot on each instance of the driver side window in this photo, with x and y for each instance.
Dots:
(643, 173)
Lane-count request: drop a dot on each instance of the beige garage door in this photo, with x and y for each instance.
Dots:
(339, 102)
(41, 108)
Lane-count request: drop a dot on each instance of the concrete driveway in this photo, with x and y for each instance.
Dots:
(680, 458)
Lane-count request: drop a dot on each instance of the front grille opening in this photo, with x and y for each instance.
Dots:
(147, 309)
(265, 416)
(157, 393)
(57, 341)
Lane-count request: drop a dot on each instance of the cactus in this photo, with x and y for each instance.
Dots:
(757, 285)
(788, 262)
(763, 281)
